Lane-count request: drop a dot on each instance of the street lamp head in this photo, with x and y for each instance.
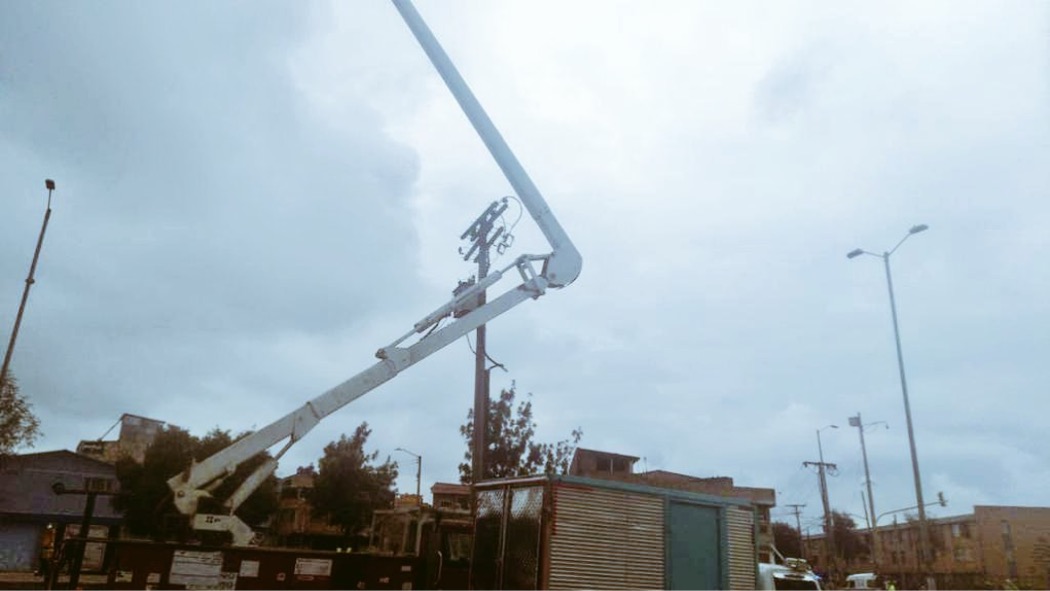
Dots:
(854, 253)
(918, 228)
(49, 184)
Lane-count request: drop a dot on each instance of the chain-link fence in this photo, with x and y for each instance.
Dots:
(507, 538)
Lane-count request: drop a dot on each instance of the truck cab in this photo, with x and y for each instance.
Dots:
(441, 538)
(795, 573)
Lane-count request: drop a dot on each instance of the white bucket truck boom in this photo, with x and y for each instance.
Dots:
(559, 268)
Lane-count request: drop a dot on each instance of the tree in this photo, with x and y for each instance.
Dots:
(146, 499)
(785, 538)
(849, 544)
(18, 425)
(349, 485)
(509, 449)
(934, 537)
(144, 495)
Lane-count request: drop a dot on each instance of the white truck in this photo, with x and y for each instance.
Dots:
(793, 573)
(556, 269)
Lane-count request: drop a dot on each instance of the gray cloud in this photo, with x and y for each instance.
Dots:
(197, 192)
(252, 200)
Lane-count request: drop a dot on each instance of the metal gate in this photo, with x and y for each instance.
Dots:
(694, 546)
(507, 538)
(488, 535)
(19, 546)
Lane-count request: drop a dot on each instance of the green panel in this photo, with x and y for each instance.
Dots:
(694, 557)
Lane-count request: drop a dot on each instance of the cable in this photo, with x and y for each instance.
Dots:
(432, 328)
(495, 363)
(507, 240)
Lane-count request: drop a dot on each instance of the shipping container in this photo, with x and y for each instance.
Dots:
(567, 532)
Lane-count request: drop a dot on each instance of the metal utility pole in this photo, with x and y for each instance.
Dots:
(419, 470)
(822, 468)
(870, 508)
(798, 526)
(924, 540)
(482, 234)
(83, 535)
(50, 185)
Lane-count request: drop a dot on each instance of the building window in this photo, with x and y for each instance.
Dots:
(962, 554)
(95, 484)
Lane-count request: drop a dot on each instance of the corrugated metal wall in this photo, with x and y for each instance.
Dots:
(740, 522)
(606, 539)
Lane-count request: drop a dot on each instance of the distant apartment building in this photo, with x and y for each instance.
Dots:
(135, 436)
(983, 549)
(448, 496)
(296, 523)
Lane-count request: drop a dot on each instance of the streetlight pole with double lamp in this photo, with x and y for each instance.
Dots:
(924, 542)
(419, 470)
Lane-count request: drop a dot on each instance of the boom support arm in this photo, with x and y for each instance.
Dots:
(189, 486)
(564, 263)
(560, 268)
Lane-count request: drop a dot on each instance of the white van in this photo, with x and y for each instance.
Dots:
(862, 581)
(790, 576)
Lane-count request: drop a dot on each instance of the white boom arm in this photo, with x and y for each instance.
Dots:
(559, 269)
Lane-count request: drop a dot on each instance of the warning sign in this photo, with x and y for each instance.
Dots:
(196, 569)
(314, 567)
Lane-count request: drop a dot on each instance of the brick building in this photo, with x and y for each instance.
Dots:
(982, 549)
(136, 434)
(295, 524)
(448, 496)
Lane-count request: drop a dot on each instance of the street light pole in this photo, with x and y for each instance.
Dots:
(924, 542)
(50, 186)
(943, 502)
(419, 470)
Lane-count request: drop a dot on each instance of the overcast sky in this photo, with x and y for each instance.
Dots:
(254, 197)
